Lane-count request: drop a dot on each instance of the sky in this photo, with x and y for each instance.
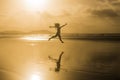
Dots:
(82, 16)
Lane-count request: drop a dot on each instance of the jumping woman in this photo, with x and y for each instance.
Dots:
(58, 33)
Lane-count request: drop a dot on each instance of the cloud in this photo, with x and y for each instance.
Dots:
(104, 13)
(105, 8)
(115, 2)
(81, 15)
(111, 2)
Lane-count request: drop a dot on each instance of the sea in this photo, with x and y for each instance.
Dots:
(27, 58)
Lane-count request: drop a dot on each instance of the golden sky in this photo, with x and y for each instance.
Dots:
(82, 16)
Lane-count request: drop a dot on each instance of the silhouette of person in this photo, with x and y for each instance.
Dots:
(58, 62)
(58, 33)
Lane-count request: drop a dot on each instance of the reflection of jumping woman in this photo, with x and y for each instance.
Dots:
(57, 69)
(58, 33)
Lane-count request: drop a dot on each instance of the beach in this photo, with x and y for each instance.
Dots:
(82, 59)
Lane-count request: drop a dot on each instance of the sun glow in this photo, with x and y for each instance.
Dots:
(36, 5)
(35, 77)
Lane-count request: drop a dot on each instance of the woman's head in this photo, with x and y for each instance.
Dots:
(57, 69)
(57, 24)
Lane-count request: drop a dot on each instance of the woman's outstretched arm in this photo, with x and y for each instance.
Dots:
(63, 25)
(51, 26)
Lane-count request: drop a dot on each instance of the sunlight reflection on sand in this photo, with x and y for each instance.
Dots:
(35, 38)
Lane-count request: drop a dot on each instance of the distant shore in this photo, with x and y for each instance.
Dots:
(103, 36)
(108, 36)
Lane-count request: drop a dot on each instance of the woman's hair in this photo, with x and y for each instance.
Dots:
(57, 24)
(57, 69)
